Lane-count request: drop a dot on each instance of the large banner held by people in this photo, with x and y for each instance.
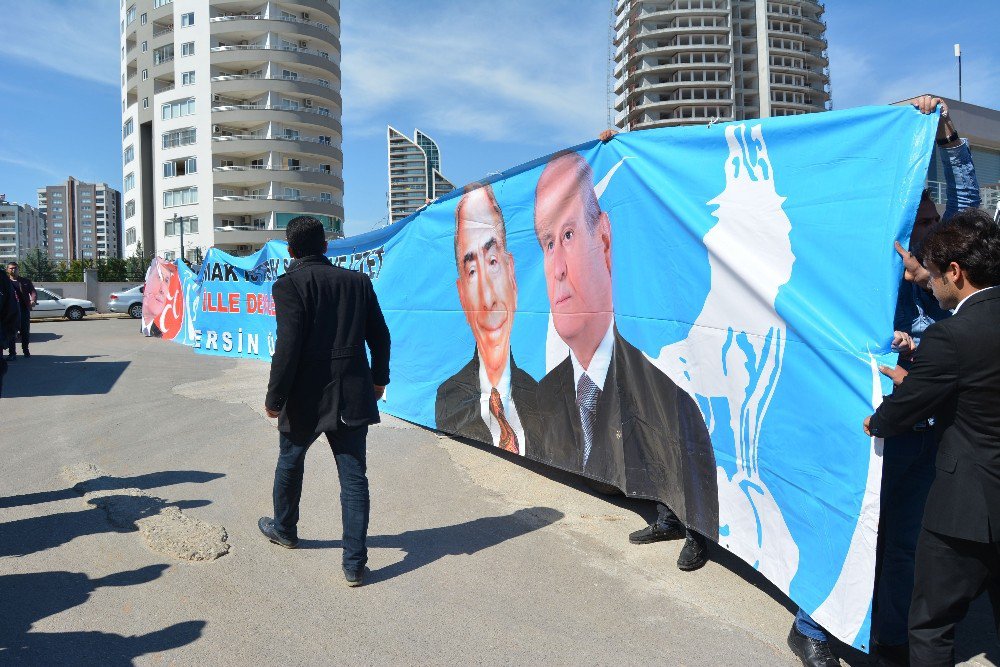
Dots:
(694, 315)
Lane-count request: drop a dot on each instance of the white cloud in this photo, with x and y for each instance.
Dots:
(482, 72)
(77, 38)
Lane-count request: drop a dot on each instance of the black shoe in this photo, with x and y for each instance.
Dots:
(893, 655)
(694, 554)
(355, 577)
(26, 353)
(266, 525)
(657, 532)
(812, 652)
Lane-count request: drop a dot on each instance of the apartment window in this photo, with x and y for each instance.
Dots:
(289, 74)
(177, 108)
(325, 167)
(129, 181)
(163, 54)
(130, 236)
(325, 139)
(130, 15)
(145, 74)
(142, 19)
(180, 167)
(187, 79)
(182, 137)
(187, 19)
(291, 134)
(145, 103)
(160, 3)
(128, 128)
(145, 47)
(180, 197)
(257, 163)
(292, 193)
(187, 49)
(130, 208)
(173, 228)
(128, 155)
(88, 207)
(325, 197)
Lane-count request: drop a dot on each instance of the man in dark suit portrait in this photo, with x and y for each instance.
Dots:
(321, 383)
(610, 413)
(490, 399)
(955, 378)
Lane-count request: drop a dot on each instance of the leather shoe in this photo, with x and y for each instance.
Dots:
(657, 532)
(694, 554)
(812, 652)
(355, 577)
(266, 525)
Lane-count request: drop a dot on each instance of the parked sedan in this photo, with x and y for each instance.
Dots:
(52, 305)
(127, 301)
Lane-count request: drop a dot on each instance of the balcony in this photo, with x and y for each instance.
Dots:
(264, 47)
(160, 30)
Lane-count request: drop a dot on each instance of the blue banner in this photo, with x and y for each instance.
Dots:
(694, 315)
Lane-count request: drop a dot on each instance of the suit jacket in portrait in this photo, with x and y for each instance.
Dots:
(955, 378)
(320, 377)
(651, 440)
(457, 409)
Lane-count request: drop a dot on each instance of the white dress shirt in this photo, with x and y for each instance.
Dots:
(509, 409)
(599, 364)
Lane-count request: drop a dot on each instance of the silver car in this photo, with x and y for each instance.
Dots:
(127, 301)
(51, 304)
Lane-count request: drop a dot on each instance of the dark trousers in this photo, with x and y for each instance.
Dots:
(950, 574)
(25, 329)
(348, 445)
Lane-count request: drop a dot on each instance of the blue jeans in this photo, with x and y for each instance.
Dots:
(348, 445)
(907, 473)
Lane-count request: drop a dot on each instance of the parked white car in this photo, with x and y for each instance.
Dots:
(127, 301)
(52, 305)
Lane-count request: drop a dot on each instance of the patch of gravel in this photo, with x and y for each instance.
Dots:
(164, 527)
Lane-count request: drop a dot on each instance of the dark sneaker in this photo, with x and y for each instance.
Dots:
(812, 652)
(657, 532)
(694, 554)
(355, 577)
(266, 525)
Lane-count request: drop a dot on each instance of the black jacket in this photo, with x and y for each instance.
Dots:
(955, 378)
(457, 407)
(320, 377)
(651, 439)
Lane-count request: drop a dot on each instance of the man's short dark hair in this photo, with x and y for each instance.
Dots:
(971, 240)
(306, 236)
(14, 264)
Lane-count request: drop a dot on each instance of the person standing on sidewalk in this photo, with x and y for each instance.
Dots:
(8, 320)
(27, 299)
(321, 382)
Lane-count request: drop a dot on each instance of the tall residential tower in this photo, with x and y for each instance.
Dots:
(230, 121)
(682, 62)
(414, 173)
(22, 228)
(82, 220)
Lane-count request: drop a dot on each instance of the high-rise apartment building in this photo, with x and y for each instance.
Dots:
(230, 122)
(414, 173)
(682, 62)
(22, 228)
(82, 220)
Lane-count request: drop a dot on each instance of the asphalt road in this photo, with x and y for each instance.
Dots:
(475, 558)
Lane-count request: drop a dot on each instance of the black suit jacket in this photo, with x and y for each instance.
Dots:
(955, 378)
(651, 439)
(320, 377)
(457, 407)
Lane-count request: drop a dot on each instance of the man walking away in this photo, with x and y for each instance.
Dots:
(27, 299)
(955, 378)
(321, 383)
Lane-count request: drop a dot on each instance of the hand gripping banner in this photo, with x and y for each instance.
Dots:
(694, 315)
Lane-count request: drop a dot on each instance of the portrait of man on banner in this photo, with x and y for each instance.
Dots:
(608, 413)
(162, 301)
(490, 399)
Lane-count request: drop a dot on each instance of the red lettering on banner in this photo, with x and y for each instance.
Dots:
(234, 302)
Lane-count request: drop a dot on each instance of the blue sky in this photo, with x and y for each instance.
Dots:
(495, 83)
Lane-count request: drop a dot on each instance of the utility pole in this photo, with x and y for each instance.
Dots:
(958, 54)
(182, 236)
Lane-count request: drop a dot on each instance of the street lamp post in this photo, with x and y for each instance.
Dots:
(182, 235)
(958, 54)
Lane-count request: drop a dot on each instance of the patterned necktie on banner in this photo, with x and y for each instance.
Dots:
(508, 439)
(587, 394)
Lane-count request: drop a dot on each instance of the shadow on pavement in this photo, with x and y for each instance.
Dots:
(26, 599)
(47, 375)
(107, 483)
(28, 536)
(40, 337)
(427, 545)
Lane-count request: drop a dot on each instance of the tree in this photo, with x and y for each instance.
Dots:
(37, 267)
(137, 265)
(112, 270)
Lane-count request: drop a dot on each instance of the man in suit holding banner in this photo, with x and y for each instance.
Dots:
(490, 399)
(608, 412)
(321, 383)
(955, 378)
